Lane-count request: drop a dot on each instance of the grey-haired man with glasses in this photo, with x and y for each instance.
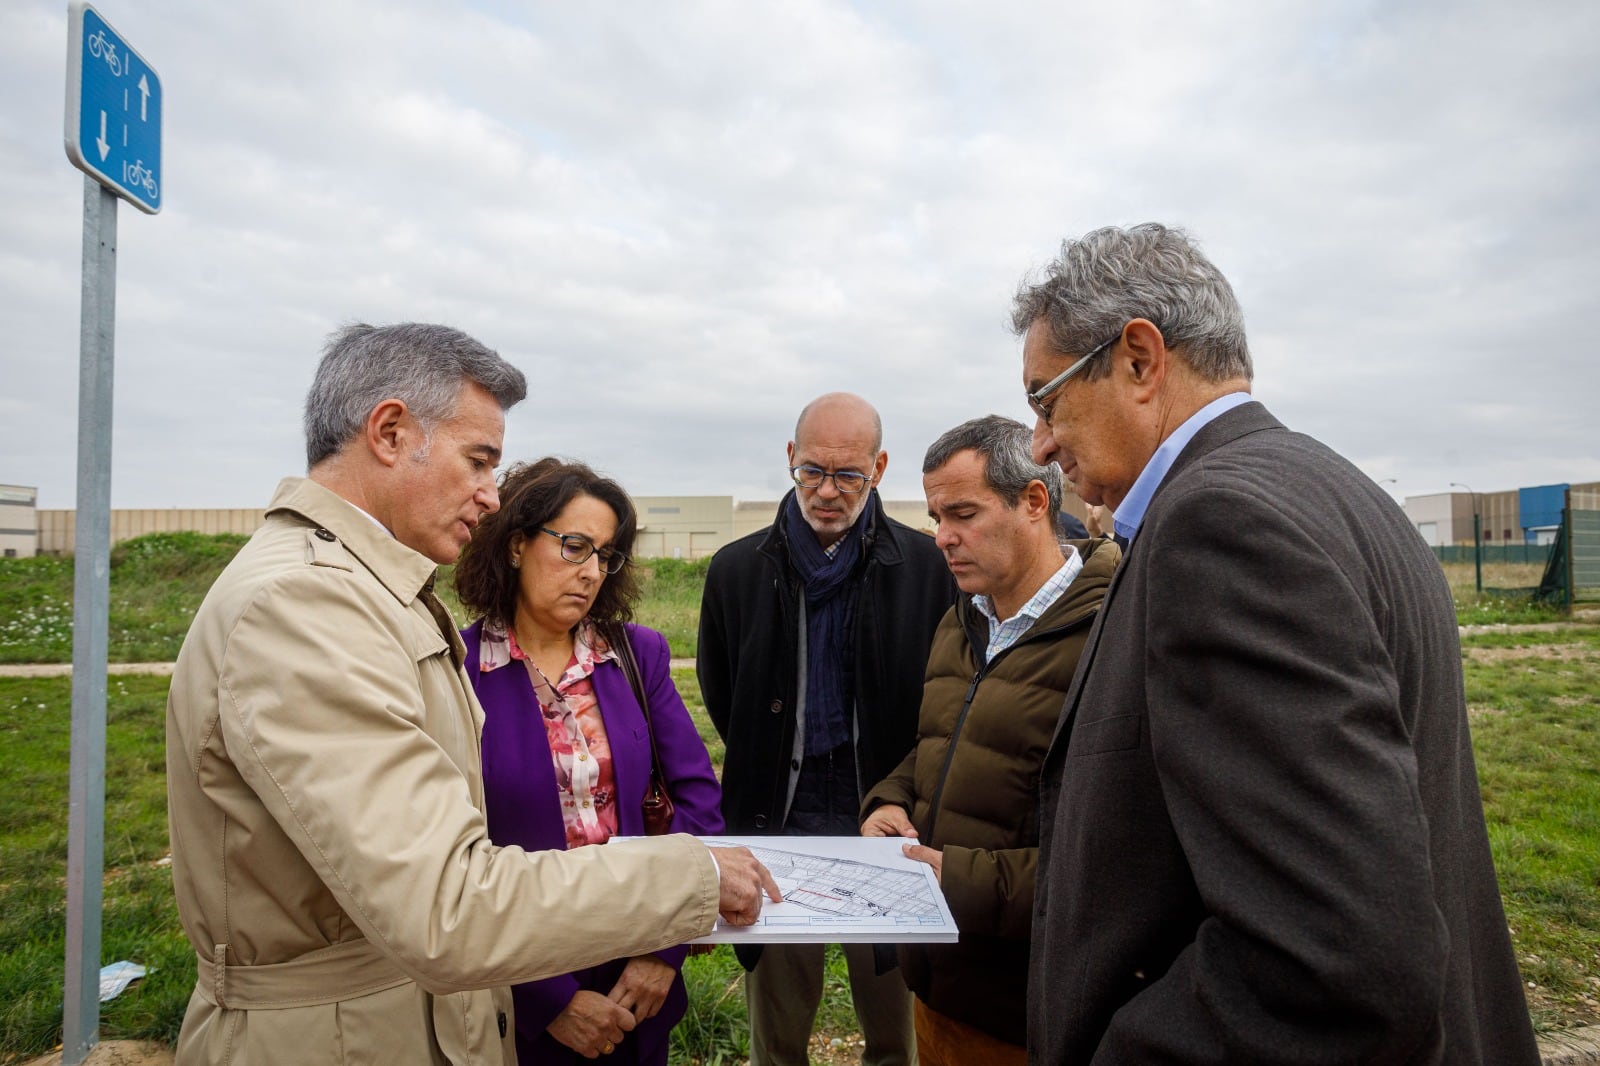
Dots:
(814, 633)
(1261, 836)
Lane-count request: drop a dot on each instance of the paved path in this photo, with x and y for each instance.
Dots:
(1570, 1047)
(65, 669)
(1580, 618)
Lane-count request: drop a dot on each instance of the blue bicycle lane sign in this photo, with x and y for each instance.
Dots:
(114, 101)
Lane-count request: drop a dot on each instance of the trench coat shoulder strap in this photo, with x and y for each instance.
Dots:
(325, 549)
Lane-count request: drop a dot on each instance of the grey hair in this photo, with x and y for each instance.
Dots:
(422, 364)
(1107, 278)
(1007, 449)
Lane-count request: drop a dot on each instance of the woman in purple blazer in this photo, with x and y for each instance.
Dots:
(566, 749)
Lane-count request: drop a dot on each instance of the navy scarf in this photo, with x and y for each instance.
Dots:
(831, 595)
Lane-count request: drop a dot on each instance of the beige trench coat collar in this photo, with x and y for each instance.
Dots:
(400, 570)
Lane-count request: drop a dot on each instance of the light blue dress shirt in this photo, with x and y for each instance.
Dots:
(1130, 512)
(1003, 634)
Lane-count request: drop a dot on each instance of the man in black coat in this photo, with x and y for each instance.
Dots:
(814, 633)
(1263, 839)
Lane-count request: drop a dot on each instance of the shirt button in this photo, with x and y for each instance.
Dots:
(586, 803)
(583, 758)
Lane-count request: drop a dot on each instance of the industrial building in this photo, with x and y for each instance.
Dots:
(1514, 516)
(19, 521)
(692, 527)
(677, 527)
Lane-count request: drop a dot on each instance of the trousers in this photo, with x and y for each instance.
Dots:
(783, 991)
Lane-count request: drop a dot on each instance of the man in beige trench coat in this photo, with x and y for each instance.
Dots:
(330, 857)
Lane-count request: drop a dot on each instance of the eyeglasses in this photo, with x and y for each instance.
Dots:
(576, 548)
(1036, 399)
(846, 481)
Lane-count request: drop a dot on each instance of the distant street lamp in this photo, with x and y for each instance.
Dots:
(1477, 530)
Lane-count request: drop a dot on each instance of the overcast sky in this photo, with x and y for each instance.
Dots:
(683, 220)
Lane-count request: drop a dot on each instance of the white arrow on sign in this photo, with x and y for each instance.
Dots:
(144, 99)
(102, 143)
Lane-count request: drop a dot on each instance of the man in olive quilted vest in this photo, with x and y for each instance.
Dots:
(1000, 665)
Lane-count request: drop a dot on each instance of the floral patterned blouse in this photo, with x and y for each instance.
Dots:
(573, 726)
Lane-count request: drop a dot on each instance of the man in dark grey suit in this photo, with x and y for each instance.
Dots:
(1263, 840)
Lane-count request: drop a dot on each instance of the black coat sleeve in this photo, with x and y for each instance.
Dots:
(713, 664)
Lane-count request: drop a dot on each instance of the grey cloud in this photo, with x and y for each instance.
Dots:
(686, 220)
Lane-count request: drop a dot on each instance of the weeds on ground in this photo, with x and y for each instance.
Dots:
(671, 601)
(689, 688)
(1494, 608)
(139, 915)
(1507, 596)
(158, 581)
(715, 1029)
(1536, 733)
(35, 610)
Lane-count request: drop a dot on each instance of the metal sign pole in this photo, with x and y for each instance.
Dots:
(113, 135)
(90, 613)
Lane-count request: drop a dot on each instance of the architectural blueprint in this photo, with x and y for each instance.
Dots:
(841, 890)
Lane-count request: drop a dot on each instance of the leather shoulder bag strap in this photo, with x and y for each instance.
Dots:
(630, 667)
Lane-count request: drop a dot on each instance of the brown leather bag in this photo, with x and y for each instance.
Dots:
(657, 804)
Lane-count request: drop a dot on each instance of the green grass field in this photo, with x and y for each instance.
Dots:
(1534, 699)
(158, 581)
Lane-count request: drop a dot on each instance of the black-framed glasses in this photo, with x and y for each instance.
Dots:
(1036, 400)
(846, 481)
(576, 548)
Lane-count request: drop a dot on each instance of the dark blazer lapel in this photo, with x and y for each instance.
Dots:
(1226, 428)
(1069, 706)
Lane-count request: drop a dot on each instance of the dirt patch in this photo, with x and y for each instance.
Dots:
(836, 1049)
(1581, 1015)
(1541, 652)
(116, 1053)
(1527, 627)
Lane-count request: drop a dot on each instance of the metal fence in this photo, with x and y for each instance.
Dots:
(1573, 573)
(1583, 560)
(1537, 554)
